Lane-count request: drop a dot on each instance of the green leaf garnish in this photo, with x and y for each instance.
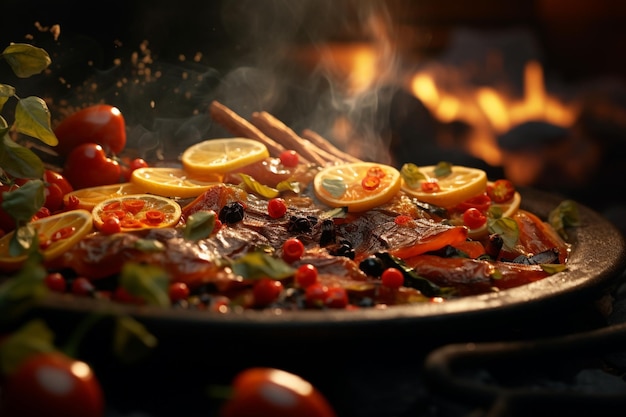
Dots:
(149, 282)
(32, 337)
(507, 228)
(258, 188)
(132, 340)
(553, 268)
(255, 265)
(335, 186)
(32, 118)
(26, 286)
(18, 160)
(443, 169)
(26, 60)
(149, 245)
(293, 186)
(199, 225)
(336, 213)
(563, 216)
(412, 175)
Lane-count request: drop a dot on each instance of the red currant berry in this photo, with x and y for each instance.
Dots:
(178, 291)
(289, 158)
(55, 281)
(276, 208)
(293, 249)
(392, 278)
(306, 275)
(266, 291)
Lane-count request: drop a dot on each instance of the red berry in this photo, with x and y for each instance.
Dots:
(336, 297)
(289, 158)
(82, 286)
(178, 291)
(306, 275)
(276, 208)
(474, 218)
(266, 291)
(315, 295)
(111, 225)
(392, 278)
(55, 281)
(293, 249)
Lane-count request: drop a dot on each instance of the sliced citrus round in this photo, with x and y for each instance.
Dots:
(505, 209)
(448, 190)
(222, 155)
(359, 186)
(138, 211)
(172, 182)
(89, 197)
(56, 234)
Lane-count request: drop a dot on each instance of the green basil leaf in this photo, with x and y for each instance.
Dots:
(255, 265)
(18, 160)
(26, 60)
(412, 175)
(199, 225)
(149, 282)
(32, 118)
(507, 228)
(563, 216)
(443, 169)
(131, 340)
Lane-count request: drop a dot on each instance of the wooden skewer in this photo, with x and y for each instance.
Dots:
(284, 135)
(325, 145)
(239, 126)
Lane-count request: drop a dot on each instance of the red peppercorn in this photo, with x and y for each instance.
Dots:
(293, 249)
(178, 291)
(266, 291)
(55, 281)
(306, 275)
(276, 208)
(289, 158)
(392, 278)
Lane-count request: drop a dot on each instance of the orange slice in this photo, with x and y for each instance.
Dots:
(138, 211)
(461, 184)
(172, 182)
(57, 233)
(360, 186)
(89, 197)
(222, 155)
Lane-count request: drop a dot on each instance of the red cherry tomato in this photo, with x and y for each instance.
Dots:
(289, 158)
(88, 166)
(293, 249)
(501, 191)
(273, 392)
(336, 297)
(474, 218)
(276, 208)
(101, 123)
(392, 278)
(128, 167)
(266, 291)
(306, 275)
(178, 291)
(52, 384)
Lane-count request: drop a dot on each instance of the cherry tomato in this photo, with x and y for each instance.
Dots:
(336, 297)
(178, 291)
(315, 295)
(101, 123)
(474, 218)
(52, 384)
(293, 249)
(128, 167)
(56, 187)
(289, 158)
(306, 275)
(88, 166)
(55, 281)
(276, 208)
(81, 286)
(482, 202)
(392, 278)
(501, 191)
(273, 392)
(266, 291)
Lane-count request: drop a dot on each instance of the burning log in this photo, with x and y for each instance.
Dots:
(323, 144)
(283, 134)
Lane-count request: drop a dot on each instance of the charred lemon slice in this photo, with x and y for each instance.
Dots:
(56, 233)
(222, 155)
(444, 190)
(359, 186)
(138, 211)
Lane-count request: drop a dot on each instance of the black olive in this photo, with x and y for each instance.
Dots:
(231, 213)
(345, 249)
(328, 235)
(300, 224)
(372, 266)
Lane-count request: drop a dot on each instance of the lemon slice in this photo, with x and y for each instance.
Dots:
(138, 211)
(222, 155)
(353, 185)
(172, 182)
(507, 209)
(57, 233)
(89, 197)
(462, 183)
